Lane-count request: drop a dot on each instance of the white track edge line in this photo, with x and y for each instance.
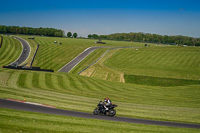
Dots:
(74, 58)
(29, 51)
(81, 60)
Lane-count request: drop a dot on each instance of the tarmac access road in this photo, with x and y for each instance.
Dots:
(68, 67)
(49, 110)
(25, 52)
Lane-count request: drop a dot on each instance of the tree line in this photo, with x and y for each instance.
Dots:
(150, 38)
(32, 31)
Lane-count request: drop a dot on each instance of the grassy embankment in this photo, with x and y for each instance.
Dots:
(10, 50)
(1, 38)
(54, 55)
(166, 66)
(82, 94)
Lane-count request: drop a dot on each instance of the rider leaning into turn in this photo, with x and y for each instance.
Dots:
(107, 103)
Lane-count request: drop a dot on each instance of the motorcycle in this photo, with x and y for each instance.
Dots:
(101, 110)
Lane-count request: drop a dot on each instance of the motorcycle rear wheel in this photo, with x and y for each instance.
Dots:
(96, 111)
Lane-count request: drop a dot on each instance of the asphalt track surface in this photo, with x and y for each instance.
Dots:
(68, 67)
(25, 52)
(48, 110)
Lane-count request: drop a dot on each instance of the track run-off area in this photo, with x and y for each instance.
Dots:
(10, 104)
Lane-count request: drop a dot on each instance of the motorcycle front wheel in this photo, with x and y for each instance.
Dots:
(112, 112)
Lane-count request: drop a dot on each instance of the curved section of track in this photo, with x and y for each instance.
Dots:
(25, 52)
(48, 110)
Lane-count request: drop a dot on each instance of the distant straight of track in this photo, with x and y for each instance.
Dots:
(68, 67)
(49, 110)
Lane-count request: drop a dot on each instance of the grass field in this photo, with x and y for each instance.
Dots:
(1, 40)
(173, 62)
(54, 55)
(10, 50)
(145, 99)
(82, 94)
(168, 64)
(19, 122)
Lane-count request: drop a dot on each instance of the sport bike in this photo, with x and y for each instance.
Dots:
(101, 110)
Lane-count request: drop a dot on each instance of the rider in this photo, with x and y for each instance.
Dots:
(107, 102)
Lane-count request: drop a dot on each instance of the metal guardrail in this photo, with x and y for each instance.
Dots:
(28, 68)
(34, 55)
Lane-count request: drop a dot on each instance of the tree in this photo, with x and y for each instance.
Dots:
(95, 36)
(58, 34)
(31, 31)
(89, 36)
(75, 35)
(69, 34)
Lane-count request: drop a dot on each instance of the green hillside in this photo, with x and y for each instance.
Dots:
(54, 56)
(80, 93)
(175, 98)
(164, 64)
(10, 50)
(174, 62)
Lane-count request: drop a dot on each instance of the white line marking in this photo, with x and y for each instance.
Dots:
(29, 50)
(74, 58)
(80, 61)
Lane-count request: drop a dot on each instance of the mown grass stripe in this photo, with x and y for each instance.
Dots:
(55, 82)
(48, 81)
(35, 80)
(10, 51)
(5, 50)
(60, 81)
(42, 81)
(22, 80)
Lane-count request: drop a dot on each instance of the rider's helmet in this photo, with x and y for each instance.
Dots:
(106, 99)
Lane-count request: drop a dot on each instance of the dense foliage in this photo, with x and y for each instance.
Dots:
(75, 35)
(69, 34)
(31, 31)
(147, 37)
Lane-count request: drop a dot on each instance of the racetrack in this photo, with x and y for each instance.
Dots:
(25, 52)
(49, 110)
(68, 67)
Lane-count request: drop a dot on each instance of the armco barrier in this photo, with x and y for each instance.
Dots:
(34, 55)
(28, 68)
(1, 41)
